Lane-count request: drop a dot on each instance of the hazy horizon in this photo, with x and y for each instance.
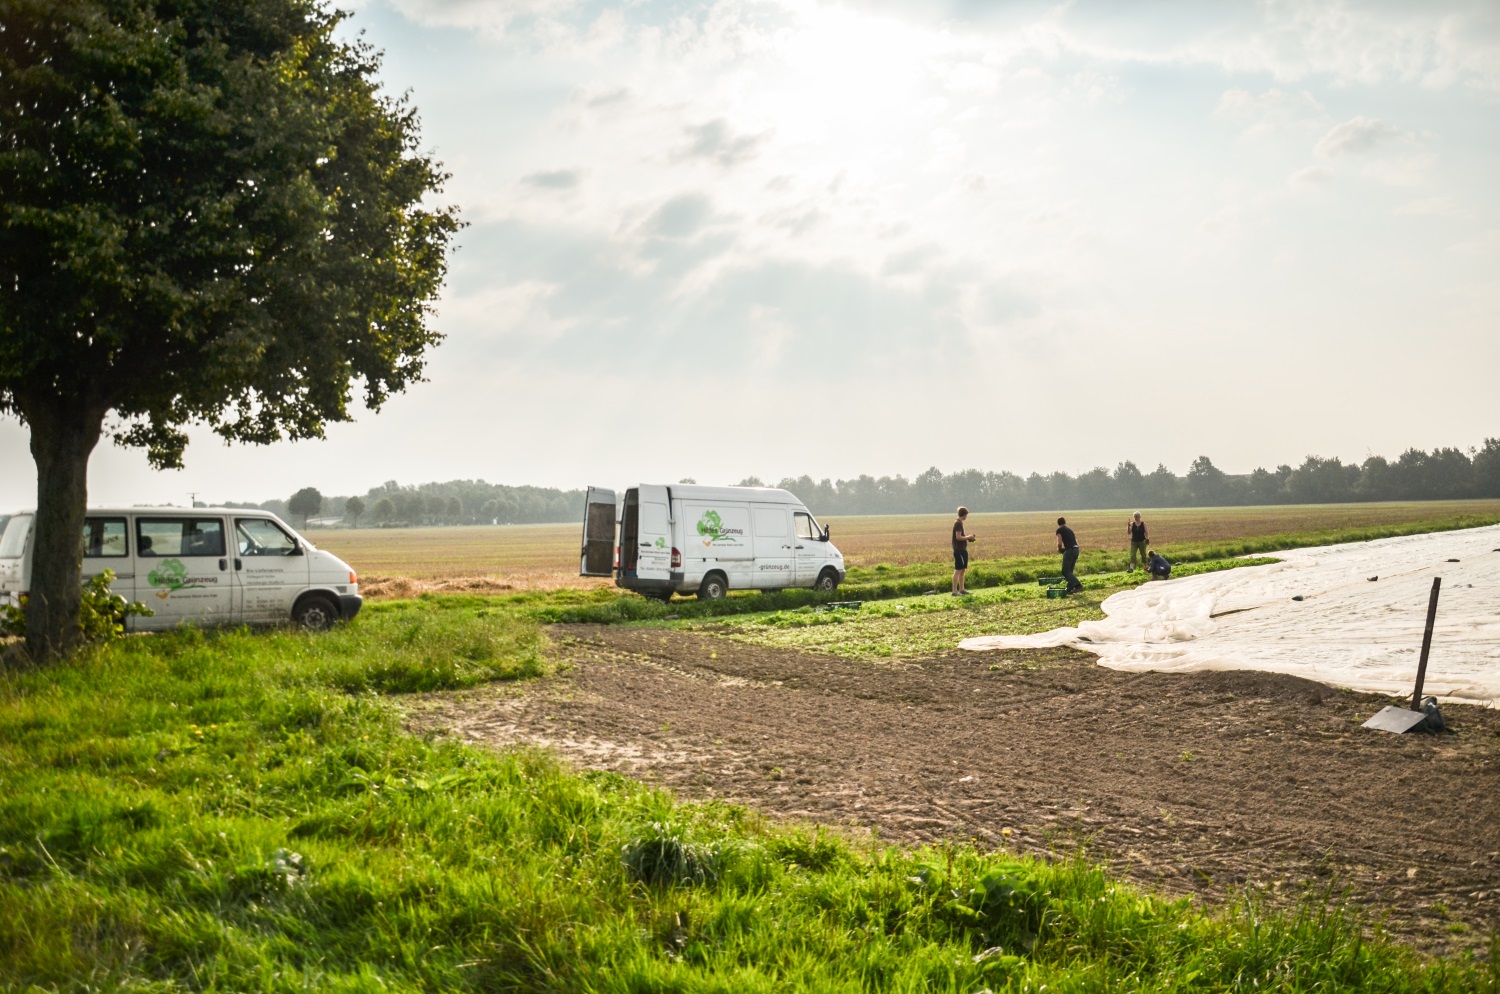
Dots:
(786, 237)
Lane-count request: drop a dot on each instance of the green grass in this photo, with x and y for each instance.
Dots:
(884, 580)
(236, 811)
(921, 626)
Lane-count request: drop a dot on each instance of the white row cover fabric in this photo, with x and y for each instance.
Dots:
(1359, 623)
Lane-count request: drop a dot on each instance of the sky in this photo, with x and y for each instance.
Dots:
(777, 237)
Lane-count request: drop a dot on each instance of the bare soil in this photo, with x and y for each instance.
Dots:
(1203, 784)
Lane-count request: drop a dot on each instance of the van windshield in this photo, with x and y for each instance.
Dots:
(13, 542)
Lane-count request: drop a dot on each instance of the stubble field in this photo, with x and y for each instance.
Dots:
(400, 562)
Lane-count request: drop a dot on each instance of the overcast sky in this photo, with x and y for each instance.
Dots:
(787, 237)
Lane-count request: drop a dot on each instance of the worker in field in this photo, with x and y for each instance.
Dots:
(961, 539)
(1159, 566)
(1067, 544)
(1138, 541)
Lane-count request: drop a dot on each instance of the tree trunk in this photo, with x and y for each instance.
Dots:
(62, 437)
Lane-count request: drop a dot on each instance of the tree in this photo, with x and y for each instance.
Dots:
(1205, 482)
(385, 510)
(353, 508)
(1487, 469)
(454, 508)
(208, 214)
(305, 502)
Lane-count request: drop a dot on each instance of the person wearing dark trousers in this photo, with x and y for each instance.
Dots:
(961, 539)
(1067, 544)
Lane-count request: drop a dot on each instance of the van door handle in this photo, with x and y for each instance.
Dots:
(799, 546)
(223, 564)
(237, 564)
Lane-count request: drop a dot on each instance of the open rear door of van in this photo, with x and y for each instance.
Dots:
(654, 532)
(598, 557)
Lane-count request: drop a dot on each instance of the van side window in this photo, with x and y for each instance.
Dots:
(807, 527)
(179, 537)
(259, 537)
(103, 538)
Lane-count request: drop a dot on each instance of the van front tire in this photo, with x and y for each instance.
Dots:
(828, 582)
(714, 587)
(315, 613)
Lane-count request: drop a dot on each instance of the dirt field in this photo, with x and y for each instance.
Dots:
(401, 562)
(1195, 784)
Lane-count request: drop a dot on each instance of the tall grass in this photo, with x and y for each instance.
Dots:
(241, 811)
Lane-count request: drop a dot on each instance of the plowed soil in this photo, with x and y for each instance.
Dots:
(1201, 784)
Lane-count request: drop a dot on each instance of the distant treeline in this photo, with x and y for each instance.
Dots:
(457, 502)
(1443, 474)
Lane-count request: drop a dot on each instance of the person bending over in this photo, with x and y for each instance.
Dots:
(961, 540)
(1159, 566)
(1067, 544)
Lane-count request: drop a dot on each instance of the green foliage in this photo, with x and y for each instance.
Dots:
(208, 213)
(236, 811)
(101, 613)
(220, 188)
(305, 503)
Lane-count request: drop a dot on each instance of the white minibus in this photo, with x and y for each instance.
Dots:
(203, 565)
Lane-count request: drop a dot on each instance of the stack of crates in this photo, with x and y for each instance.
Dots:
(1056, 586)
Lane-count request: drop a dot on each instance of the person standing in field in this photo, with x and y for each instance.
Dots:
(1067, 544)
(961, 540)
(1138, 541)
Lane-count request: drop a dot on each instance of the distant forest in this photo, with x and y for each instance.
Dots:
(1443, 474)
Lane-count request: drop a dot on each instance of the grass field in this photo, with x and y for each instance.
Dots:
(243, 811)
(407, 561)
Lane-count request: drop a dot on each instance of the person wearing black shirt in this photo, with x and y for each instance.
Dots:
(961, 540)
(1137, 529)
(1067, 544)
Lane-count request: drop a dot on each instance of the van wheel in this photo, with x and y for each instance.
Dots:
(828, 582)
(714, 587)
(316, 614)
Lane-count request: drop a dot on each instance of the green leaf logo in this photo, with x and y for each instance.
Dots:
(172, 575)
(710, 526)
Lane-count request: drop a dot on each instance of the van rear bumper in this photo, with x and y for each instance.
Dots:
(649, 585)
(349, 605)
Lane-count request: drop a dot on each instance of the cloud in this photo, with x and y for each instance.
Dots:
(554, 179)
(1358, 136)
(715, 142)
(681, 217)
(1433, 207)
(1273, 111)
(1309, 178)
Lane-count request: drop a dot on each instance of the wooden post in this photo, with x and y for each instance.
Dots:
(1416, 695)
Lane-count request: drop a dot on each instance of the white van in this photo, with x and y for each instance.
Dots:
(706, 540)
(204, 565)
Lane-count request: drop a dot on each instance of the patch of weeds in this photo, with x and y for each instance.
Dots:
(661, 855)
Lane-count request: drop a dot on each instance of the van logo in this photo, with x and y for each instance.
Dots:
(711, 527)
(171, 575)
(661, 543)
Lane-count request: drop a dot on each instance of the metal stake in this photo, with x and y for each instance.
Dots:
(1416, 695)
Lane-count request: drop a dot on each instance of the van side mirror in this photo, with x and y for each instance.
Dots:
(825, 533)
